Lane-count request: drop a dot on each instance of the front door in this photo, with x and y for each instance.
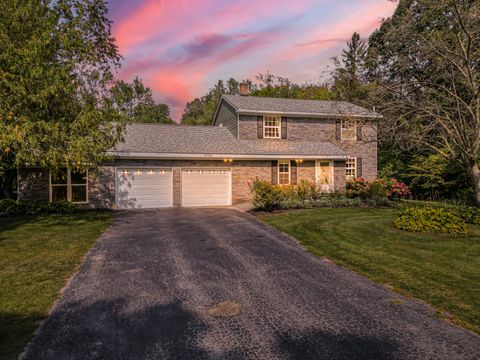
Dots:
(324, 175)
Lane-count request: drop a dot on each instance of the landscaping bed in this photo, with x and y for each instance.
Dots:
(442, 270)
(38, 255)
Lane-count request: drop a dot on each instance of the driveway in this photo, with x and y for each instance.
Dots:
(152, 285)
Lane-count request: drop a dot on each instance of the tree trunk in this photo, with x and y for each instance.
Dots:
(475, 172)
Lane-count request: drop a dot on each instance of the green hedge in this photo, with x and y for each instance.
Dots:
(437, 220)
(10, 207)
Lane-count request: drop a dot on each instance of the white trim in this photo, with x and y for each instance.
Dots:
(332, 172)
(135, 155)
(69, 185)
(279, 127)
(310, 115)
(289, 162)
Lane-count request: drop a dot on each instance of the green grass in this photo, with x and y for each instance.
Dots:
(37, 256)
(444, 271)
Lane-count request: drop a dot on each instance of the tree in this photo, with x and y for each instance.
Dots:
(427, 60)
(135, 102)
(200, 111)
(349, 74)
(56, 66)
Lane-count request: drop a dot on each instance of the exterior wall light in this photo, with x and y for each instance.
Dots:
(299, 161)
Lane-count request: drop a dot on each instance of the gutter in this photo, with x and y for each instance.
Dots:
(177, 156)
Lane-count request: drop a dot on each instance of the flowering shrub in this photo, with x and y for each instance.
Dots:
(439, 220)
(391, 189)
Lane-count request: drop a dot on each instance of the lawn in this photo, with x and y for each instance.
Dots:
(444, 271)
(37, 256)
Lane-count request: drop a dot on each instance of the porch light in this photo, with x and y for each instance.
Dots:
(227, 160)
(299, 161)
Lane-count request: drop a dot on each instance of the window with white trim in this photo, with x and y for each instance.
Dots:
(284, 172)
(348, 130)
(272, 127)
(351, 168)
(69, 185)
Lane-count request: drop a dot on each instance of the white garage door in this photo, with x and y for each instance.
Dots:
(139, 188)
(206, 187)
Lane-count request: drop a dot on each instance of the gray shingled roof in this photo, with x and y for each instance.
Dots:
(184, 139)
(257, 104)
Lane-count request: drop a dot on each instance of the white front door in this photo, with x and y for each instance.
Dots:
(141, 188)
(325, 175)
(206, 187)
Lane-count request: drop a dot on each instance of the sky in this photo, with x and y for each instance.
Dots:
(180, 48)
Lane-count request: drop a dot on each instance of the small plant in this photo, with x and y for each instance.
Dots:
(438, 220)
(10, 207)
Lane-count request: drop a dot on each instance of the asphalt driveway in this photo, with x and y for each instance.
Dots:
(151, 286)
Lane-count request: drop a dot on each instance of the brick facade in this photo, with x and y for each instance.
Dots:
(101, 180)
(323, 130)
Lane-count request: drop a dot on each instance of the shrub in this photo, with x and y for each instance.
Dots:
(378, 188)
(439, 220)
(10, 207)
(469, 214)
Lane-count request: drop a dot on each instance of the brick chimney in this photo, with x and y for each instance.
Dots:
(244, 89)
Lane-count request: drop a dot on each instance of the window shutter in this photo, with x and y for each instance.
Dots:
(293, 172)
(359, 131)
(359, 167)
(274, 172)
(260, 127)
(284, 127)
(338, 129)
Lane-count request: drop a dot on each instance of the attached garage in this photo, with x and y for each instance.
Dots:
(143, 188)
(206, 187)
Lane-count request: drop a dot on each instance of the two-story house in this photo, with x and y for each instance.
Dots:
(278, 140)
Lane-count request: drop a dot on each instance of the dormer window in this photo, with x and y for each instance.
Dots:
(272, 127)
(348, 130)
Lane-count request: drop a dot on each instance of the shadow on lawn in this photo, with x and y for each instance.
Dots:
(107, 330)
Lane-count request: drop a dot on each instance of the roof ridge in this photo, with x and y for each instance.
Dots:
(174, 125)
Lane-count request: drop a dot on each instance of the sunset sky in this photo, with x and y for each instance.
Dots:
(179, 48)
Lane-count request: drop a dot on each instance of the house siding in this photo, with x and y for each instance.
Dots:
(227, 117)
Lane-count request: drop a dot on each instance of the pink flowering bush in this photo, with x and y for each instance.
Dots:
(364, 189)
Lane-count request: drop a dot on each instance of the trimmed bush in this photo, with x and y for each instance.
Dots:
(378, 188)
(437, 220)
(10, 207)
(469, 214)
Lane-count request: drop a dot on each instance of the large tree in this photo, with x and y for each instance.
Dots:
(427, 60)
(135, 101)
(56, 64)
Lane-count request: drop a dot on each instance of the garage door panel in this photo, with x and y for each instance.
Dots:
(144, 188)
(206, 187)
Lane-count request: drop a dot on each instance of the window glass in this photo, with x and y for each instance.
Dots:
(351, 168)
(284, 172)
(272, 126)
(349, 130)
(78, 176)
(79, 193)
(59, 193)
(59, 176)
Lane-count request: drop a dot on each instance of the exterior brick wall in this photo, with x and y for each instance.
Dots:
(248, 127)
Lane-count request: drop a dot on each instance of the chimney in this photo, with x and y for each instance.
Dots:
(244, 89)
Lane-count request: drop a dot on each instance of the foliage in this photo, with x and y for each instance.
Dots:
(438, 220)
(56, 65)
(378, 188)
(469, 214)
(9, 207)
(135, 102)
(306, 194)
(426, 59)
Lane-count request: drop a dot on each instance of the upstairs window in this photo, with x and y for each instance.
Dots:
(68, 185)
(284, 172)
(272, 127)
(351, 169)
(348, 130)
